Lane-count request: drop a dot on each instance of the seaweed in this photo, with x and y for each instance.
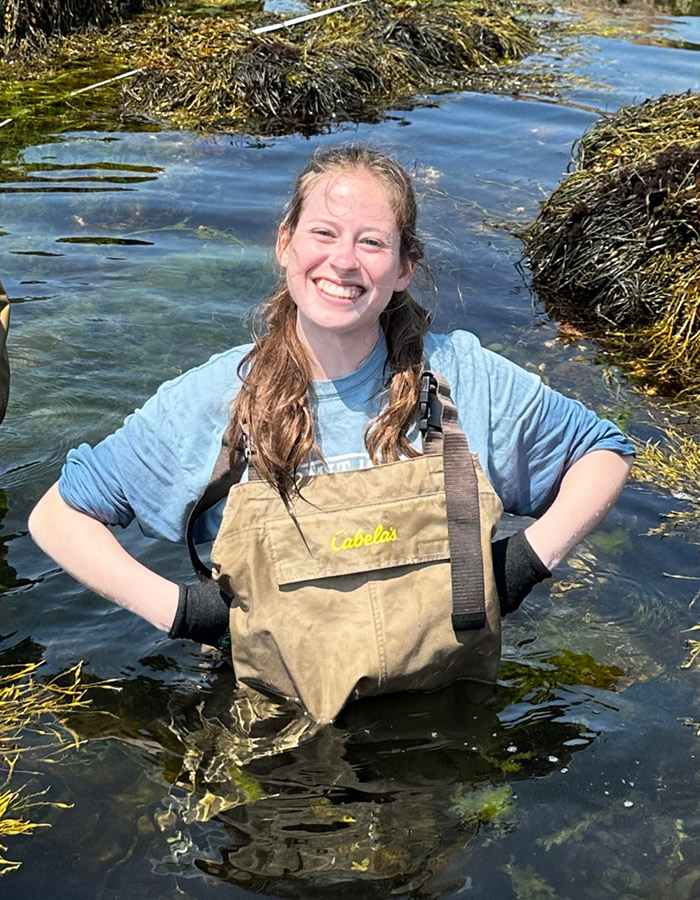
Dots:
(350, 66)
(615, 251)
(32, 21)
(33, 720)
(230, 72)
(541, 679)
(675, 468)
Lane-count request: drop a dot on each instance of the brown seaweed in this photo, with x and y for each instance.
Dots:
(615, 251)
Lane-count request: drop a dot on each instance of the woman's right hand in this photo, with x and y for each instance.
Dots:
(202, 612)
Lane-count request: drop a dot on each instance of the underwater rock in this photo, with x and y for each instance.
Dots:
(615, 251)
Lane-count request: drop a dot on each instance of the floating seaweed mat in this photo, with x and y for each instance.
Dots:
(351, 65)
(615, 251)
(34, 20)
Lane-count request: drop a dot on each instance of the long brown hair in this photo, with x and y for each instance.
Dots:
(275, 401)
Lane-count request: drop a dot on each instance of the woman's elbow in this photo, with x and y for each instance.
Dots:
(44, 518)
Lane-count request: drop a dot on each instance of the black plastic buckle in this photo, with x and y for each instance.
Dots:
(430, 406)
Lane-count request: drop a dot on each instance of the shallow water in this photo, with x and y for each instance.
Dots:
(133, 256)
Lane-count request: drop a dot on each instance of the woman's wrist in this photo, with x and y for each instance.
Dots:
(549, 551)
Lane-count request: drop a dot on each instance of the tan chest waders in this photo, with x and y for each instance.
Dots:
(380, 581)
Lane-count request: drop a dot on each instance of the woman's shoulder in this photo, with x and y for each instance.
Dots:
(458, 355)
(220, 368)
(214, 382)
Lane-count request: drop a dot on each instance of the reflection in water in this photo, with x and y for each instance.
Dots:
(374, 806)
(8, 575)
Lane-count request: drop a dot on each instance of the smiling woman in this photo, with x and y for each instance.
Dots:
(343, 263)
(349, 418)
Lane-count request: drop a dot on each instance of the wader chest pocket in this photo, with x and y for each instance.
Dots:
(376, 536)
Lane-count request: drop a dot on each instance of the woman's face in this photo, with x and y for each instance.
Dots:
(343, 260)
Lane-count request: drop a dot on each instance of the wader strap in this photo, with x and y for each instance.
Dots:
(225, 474)
(440, 427)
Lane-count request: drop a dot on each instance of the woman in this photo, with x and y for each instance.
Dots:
(333, 384)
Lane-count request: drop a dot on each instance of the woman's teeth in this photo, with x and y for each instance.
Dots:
(341, 291)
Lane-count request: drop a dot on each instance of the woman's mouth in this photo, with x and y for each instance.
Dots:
(339, 291)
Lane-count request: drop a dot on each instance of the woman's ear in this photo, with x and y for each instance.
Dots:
(282, 246)
(406, 274)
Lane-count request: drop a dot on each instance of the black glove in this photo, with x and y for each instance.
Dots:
(517, 569)
(202, 612)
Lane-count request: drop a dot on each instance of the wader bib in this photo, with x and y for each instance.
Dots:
(380, 580)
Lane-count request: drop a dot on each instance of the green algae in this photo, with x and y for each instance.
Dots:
(483, 804)
(528, 884)
(544, 675)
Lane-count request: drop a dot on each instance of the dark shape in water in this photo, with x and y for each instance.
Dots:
(129, 242)
(616, 249)
(375, 805)
(34, 20)
(8, 575)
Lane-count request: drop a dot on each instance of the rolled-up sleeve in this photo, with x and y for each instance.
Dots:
(154, 467)
(525, 434)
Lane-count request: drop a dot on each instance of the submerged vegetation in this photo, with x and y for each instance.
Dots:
(615, 251)
(32, 721)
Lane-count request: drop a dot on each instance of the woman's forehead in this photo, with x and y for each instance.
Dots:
(350, 193)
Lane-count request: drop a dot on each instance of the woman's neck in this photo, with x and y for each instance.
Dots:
(336, 355)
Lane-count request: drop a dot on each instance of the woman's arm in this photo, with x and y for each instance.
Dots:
(88, 551)
(587, 492)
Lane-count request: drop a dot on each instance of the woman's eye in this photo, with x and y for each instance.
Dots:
(322, 232)
(372, 242)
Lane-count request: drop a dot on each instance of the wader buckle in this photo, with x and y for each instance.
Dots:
(430, 406)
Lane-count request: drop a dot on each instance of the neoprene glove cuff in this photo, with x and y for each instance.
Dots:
(202, 612)
(517, 569)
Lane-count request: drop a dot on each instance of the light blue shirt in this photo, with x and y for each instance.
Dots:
(158, 463)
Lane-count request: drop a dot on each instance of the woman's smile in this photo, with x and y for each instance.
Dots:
(339, 291)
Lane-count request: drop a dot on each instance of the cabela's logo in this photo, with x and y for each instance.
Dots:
(381, 535)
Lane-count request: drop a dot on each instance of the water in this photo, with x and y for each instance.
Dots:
(133, 256)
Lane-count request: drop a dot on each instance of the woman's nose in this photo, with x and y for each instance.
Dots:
(344, 255)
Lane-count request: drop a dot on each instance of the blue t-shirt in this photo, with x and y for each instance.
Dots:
(158, 463)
